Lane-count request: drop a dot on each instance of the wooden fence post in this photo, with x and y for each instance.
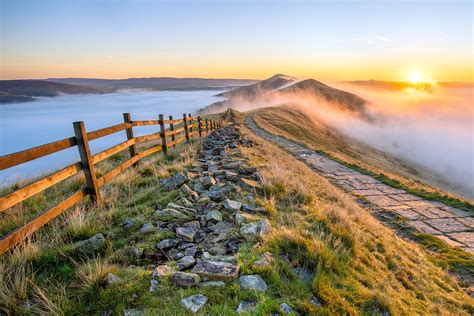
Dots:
(185, 121)
(199, 126)
(207, 127)
(86, 161)
(163, 135)
(172, 129)
(133, 148)
(191, 128)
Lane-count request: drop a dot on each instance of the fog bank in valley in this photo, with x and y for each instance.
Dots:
(433, 129)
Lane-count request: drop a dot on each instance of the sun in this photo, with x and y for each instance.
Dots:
(415, 77)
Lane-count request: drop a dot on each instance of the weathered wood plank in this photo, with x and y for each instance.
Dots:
(163, 135)
(21, 233)
(112, 151)
(143, 123)
(186, 129)
(86, 161)
(34, 188)
(132, 148)
(107, 131)
(116, 171)
(26, 155)
(150, 151)
(145, 138)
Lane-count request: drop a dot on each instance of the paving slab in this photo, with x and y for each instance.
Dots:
(447, 225)
(423, 227)
(466, 238)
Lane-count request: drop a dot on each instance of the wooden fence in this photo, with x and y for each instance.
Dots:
(87, 161)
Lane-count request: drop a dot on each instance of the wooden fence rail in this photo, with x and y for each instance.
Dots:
(87, 162)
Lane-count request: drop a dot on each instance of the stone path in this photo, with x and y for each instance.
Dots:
(454, 226)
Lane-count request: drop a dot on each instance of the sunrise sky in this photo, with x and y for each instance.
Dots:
(327, 40)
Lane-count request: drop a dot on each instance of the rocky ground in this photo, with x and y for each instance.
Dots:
(213, 215)
(452, 225)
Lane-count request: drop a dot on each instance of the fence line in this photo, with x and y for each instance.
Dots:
(87, 161)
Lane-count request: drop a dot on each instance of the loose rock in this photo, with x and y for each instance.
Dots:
(232, 205)
(194, 302)
(185, 262)
(184, 279)
(169, 214)
(216, 271)
(147, 228)
(246, 306)
(255, 230)
(253, 282)
(90, 245)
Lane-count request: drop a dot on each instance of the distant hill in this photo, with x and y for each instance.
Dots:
(282, 85)
(157, 83)
(257, 89)
(338, 97)
(12, 91)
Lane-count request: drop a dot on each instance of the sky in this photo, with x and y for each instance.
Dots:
(325, 40)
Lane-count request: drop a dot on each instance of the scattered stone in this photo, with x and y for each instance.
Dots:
(187, 233)
(169, 214)
(255, 230)
(184, 279)
(153, 285)
(265, 260)
(232, 205)
(221, 228)
(173, 182)
(147, 228)
(230, 175)
(214, 216)
(90, 245)
(185, 190)
(212, 284)
(303, 274)
(186, 202)
(194, 224)
(191, 251)
(185, 262)
(128, 223)
(203, 200)
(253, 282)
(133, 312)
(175, 254)
(112, 279)
(168, 243)
(314, 300)
(216, 271)
(253, 209)
(246, 306)
(222, 258)
(286, 309)
(194, 302)
(239, 219)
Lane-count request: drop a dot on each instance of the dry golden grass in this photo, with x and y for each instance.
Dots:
(288, 122)
(357, 261)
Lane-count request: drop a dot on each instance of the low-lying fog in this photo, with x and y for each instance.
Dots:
(26, 125)
(433, 129)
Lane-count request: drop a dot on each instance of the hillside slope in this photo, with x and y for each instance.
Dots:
(283, 89)
(321, 253)
(26, 90)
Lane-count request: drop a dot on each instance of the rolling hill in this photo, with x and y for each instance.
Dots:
(12, 91)
(271, 91)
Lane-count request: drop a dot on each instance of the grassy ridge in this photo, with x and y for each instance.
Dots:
(366, 160)
(356, 265)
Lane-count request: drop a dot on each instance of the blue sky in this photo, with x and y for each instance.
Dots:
(330, 39)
